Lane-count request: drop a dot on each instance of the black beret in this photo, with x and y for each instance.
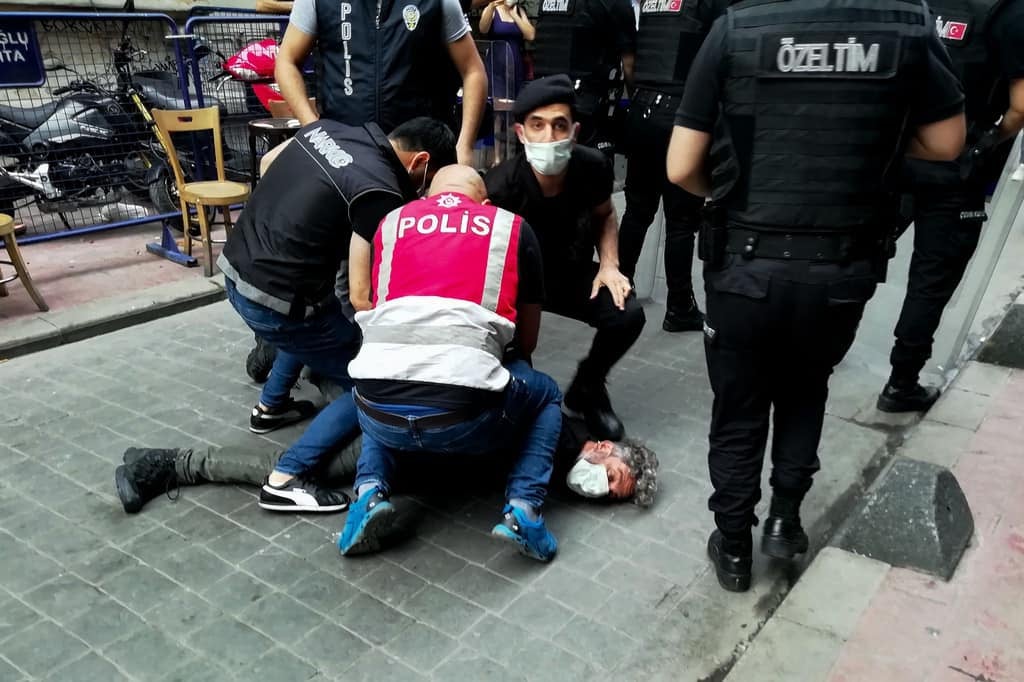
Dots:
(542, 92)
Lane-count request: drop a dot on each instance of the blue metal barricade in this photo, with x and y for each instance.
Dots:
(75, 153)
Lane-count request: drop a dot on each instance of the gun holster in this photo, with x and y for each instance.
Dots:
(712, 238)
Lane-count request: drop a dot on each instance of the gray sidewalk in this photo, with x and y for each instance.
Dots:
(210, 587)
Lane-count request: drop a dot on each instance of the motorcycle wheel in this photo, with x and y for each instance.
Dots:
(163, 193)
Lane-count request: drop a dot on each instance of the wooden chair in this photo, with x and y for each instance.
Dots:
(20, 270)
(280, 109)
(220, 193)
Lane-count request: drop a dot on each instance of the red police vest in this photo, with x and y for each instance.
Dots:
(446, 279)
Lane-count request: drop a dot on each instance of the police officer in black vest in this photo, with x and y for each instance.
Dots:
(985, 39)
(670, 33)
(795, 114)
(386, 62)
(594, 42)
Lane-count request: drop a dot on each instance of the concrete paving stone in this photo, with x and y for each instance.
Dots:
(277, 567)
(421, 647)
(42, 647)
(180, 612)
(428, 561)
(281, 618)
(65, 596)
(960, 408)
(352, 569)
(323, 592)
(565, 522)
(538, 613)
(85, 468)
(277, 664)
(584, 557)
(237, 591)
(937, 443)
(833, 592)
(202, 525)
(238, 546)
(983, 378)
(8, 673)
(467, 665)
(372, 619)
(631, 577)
(148, 652)
(103, 563)
(156, 545)
(22, 568)
(645, 522)
(679, 568)
(103, 623)
(509, 563)
(304, 538)
(166, 508)
(467, 543)
(139, 588)
(443, 610)
(90, 668)
(197, 670)
(195, 567)
(262, 522)
(34, 520)
(391, 583)
(542, 661)
(634, 614)
(375, 665)
(68, 547)
(331, 648)
(573, 589)
(222, 499)
(230, 641)
(593, 641)
(103, 515)
(612, 539)
(497, 639)
(787, 652)
(483, 587)
(15, 616)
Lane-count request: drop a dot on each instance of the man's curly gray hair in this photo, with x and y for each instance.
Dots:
(643, 462)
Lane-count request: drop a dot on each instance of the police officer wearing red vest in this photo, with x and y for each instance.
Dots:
(985, 39)
(456, 285)
(794, 115)
(670, 33)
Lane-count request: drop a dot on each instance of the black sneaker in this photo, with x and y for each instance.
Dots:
(297, 495)
(292, 412)
(146, 473)
(915, 398)
(260, 360)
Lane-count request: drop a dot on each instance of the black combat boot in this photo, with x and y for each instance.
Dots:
(260, 360)
(783, 536)
(907, 397)
(731, 557)
(146, 473)
(587, 397)
(683, 316)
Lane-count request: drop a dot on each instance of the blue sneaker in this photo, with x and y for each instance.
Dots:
(369, 519)
(531, 538)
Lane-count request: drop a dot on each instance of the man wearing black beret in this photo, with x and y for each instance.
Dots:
(564, 191)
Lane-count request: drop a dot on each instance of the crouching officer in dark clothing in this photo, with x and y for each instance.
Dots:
(594, 42)
(564, 191)
(671, 32)
(985, 39)
(793, 115)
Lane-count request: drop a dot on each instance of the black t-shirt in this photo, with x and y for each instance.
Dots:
(938, 95)
(531, 291)
(1007, 35)
(563, 223)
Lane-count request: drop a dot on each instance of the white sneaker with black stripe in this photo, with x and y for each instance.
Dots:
(297, 495)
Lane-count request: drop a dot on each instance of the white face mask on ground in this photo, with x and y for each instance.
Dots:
(587, 479)
(549, 158)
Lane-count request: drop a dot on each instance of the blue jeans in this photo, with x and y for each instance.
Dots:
(530, 418)
(325, 342)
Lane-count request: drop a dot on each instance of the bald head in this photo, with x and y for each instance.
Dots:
(461, 179)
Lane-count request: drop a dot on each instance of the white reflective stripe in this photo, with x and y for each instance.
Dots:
(389, 235)
(497, 253)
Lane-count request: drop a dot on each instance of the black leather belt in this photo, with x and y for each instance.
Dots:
(826, 248)
(432, 421)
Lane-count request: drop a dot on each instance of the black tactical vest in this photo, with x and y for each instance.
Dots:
(294, 232)
(386, 66)
(963, 27)
(671, 32)
(814, 106)
(572, 39)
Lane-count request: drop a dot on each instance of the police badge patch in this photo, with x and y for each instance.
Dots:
(411, 15)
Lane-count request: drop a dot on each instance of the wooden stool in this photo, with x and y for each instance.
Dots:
(20, 271)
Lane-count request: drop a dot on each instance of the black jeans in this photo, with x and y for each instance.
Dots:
(568, 294)
(946, 233)
(775, 332)
(648, 130)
